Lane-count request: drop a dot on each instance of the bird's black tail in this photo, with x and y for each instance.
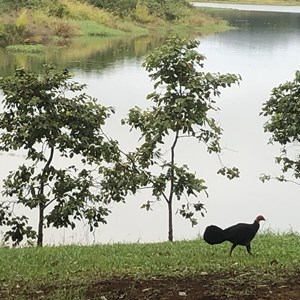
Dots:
(214, 235)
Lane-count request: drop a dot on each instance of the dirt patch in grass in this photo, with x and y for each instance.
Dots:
(204, 287)
(230, 286)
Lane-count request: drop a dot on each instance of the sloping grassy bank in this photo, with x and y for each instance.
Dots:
(57, 22)
(69, 272)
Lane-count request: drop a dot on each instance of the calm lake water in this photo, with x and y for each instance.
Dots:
(264, 50)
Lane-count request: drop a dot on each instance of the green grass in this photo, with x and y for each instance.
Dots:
(28, 49)
(92, 28)
(30, 269)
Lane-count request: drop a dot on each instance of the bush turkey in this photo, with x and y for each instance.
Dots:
(239, 234)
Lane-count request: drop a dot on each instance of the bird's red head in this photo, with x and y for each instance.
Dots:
(260, 218)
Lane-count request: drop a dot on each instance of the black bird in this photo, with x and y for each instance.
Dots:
(239, 234)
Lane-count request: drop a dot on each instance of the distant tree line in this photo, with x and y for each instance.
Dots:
(165, 9)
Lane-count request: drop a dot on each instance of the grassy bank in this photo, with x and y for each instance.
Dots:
(258, 2)
(73, 272)
(58, 22)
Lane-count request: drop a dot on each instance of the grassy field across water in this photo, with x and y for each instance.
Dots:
(191, 269)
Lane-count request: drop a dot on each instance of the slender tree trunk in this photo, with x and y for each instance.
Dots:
(42, 204)
(41, 225)
(170, 236)
(172, 179)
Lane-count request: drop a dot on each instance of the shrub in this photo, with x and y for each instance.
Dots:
(3, 36)
(21, 21)
(85, 11)
(18, 4)
(121, 8)
(166, 9)
(13, 34)
(142, 13)
(64, 30)
(58, 10)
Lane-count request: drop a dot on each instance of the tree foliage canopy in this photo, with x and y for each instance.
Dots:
(182, 100)
(283, 113)
(40, 120)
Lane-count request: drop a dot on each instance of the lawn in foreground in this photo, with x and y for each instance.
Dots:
(153, 270)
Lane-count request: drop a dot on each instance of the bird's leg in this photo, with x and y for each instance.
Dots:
(231, 249)
(249, 249)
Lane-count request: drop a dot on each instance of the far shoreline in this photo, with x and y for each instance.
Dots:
(252, 2)
(248, 7)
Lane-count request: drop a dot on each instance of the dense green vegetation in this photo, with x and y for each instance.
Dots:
(56, 22)
(282, 113)
(67, 272)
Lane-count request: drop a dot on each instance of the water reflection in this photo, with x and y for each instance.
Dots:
(256, 29)
(88, 55)
(257, 21)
